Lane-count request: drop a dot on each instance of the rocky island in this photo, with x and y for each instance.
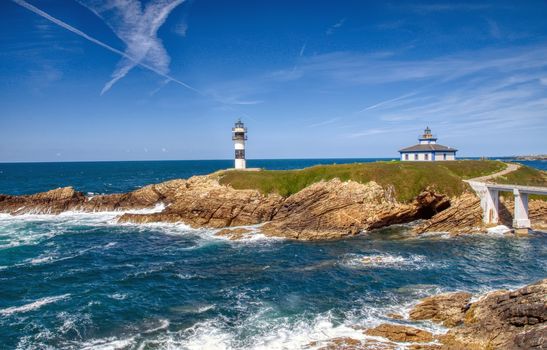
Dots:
(321, 202)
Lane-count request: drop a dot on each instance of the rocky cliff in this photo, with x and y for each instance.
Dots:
(324, 210)
(497, 320)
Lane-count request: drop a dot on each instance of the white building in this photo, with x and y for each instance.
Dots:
(428, 150)
(239, 135)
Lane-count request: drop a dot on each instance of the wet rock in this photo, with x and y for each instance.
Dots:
(51, 202)
(400, 333)
(346, 343)
(448, 309)
(67, 199)
(234, 234)
(395, 316)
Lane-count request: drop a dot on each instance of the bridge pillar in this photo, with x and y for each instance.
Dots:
(521, 222)
(490, 206)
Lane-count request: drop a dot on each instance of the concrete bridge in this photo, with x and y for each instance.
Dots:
(489, 195)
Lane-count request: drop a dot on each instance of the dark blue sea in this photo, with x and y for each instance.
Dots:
(82, 281)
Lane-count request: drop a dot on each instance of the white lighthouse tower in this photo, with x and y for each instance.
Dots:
(239, 136)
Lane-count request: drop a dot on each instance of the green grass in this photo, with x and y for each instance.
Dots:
(407, 178)
(524, 176)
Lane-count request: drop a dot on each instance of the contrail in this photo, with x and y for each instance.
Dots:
(60, 23)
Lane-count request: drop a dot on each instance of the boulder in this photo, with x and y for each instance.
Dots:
(400, 333)
(448, 309)
(505, 320)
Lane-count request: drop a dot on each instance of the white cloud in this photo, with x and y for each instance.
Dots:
(335, 26)
(124, 55)
(137, 27)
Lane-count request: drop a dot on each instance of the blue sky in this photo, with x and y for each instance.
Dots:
(125, 80)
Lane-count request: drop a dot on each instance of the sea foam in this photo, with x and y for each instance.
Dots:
(33, 306)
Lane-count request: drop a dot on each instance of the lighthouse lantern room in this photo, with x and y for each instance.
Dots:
(239, 136)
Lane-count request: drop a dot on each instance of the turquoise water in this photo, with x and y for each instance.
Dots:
(82, 281)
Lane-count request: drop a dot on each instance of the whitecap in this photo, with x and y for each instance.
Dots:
(361, 261)
(498, 230)
(118, 296)
(164, 324)
(34, 305)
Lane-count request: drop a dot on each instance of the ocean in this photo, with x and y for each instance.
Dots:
(82, 281)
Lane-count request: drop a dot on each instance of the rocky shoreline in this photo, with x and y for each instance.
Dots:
(497, 320)
(324, 210)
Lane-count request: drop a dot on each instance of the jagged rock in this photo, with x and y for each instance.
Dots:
(324, 210)
(448, 308)
(498, 320)
(51, 202)
(64, 199)
(463, 216)
(537, 212)
(395, 316)
(504, 320)
(400, 333)
(346, 343)
(334, 209)
(203, 202)
(234, 234)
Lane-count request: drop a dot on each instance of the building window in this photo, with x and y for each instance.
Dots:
(426, 156)
(415, 156)
(240, 154)
(406, 156)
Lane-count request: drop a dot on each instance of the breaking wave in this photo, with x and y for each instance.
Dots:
(32, 306)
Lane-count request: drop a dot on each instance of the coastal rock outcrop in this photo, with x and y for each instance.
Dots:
(65, 199)
(400, 333)
(504, 320)
(324, 210)
(51, 202)
(333, 209)
(498, 320)
(463, 216)
(203, 202)
(448, 308)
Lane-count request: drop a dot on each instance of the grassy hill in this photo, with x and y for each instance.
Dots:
(524, 176)
(407, 178)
